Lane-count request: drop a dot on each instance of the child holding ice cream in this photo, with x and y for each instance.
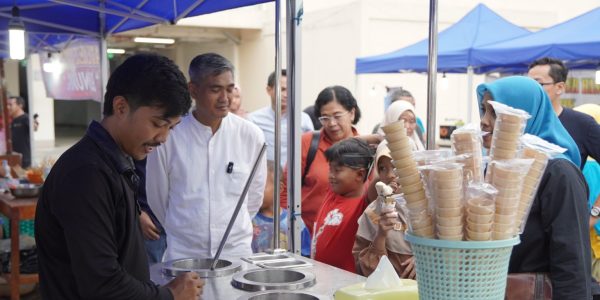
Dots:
(381, 228)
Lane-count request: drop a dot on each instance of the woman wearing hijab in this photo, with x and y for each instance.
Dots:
(591, 172)
(375, 236)
(403, 110)
(556, 236)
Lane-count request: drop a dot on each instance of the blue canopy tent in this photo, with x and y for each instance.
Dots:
(46, 19)
(481, 26)
(576, 41)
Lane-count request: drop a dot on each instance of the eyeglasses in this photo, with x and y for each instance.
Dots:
(327, 119)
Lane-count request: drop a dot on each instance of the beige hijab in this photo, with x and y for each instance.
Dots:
(393, 113)
(369, 220)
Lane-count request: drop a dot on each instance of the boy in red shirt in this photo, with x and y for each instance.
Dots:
(337, 221)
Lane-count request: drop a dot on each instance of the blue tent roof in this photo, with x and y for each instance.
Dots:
(481, 26)
(46, 19)
(82, 17)
(576, 41)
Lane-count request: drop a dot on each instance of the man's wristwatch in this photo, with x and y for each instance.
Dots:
(595, 211)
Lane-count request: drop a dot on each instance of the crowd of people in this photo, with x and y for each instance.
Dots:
(152, 182)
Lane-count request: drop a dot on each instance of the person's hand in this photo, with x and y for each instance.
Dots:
(187, 286)
(149, 230)
(409, 271)
(372, 139)
(395, 187)
(386, 222)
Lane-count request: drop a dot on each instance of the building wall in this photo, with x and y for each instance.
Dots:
(41, 105)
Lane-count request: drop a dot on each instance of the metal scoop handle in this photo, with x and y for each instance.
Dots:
(238, 206)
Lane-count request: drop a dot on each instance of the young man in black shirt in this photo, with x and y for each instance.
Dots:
(87, 230)
(551, 74)
(19, 129)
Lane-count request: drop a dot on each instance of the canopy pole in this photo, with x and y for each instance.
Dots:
(432, 75)
(103, 60)
(294, 111)
(277, 162)
(469, 94)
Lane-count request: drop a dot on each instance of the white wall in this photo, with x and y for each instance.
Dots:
(40, 104)
(11, 72)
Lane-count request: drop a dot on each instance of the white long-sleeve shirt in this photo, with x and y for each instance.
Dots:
(264, 118)
(192, 193)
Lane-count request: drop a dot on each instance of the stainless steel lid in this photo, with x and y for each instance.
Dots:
(201, 266)
(273, 279)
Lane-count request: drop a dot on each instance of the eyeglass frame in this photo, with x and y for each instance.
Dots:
(324, 120)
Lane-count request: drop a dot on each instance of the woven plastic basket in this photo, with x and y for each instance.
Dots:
(449, 270)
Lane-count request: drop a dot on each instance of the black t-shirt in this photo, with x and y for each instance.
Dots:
(585, 131)
(19, 130)
(556, 238)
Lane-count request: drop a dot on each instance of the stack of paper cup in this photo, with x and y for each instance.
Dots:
(507, 131)
(448, 198)
(508, 182)
(469, 142)
(531, 183)
(409, 179)
(480, 217)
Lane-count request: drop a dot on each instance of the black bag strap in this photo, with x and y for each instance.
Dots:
(312, 152)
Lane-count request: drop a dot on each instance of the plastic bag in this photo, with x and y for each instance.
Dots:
(480, 210)
(507, 177)
(509, 127)
(467, 140)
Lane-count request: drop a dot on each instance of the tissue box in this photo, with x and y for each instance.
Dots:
(408, 291)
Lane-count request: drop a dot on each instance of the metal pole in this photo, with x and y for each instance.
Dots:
(469, 94)
(294, 11)
(236, 211)
(103, 60)
(277, 163)
(432, 74)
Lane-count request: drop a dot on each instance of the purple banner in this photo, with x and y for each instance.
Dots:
(74, 73)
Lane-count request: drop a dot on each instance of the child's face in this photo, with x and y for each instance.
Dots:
(345, 180)
(386, 170)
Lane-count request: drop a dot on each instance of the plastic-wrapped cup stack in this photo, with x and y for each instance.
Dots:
(507, 131)
(531, 182)
(448, 198)
(508, 182)
(480, 218)
(469, 142)
(409, 179)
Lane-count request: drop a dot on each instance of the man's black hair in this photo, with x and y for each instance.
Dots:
(208, 64)
(558, 70)
(19, 100)
(398, 93)
(353, 153)
(343, 97)
(149, 79)
(271, 79)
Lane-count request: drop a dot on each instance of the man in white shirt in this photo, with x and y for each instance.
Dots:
(265, 118)
(195, 180)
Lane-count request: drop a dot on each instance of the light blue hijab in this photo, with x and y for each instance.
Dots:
(526, 94)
